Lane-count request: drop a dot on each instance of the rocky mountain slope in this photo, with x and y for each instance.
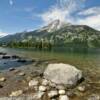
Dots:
(58, 32)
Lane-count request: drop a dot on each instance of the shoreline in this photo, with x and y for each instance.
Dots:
(18, 79)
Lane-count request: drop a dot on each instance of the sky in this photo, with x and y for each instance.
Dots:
(25, 15)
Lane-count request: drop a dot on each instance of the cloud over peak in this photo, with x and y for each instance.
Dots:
(54, 13)
(62, 10)
(2, 33)
(73, 11)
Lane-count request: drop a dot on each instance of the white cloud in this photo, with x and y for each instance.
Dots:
(93, 21)
(11, 2)
(3, 34)
(64, 9)
(53, 14)
(90, 11)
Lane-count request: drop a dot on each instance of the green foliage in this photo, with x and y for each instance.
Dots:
(38, 44)
(69, 36)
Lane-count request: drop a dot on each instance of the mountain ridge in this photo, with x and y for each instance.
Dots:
(57, 31)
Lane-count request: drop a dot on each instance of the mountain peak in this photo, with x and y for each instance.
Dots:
(54, 26)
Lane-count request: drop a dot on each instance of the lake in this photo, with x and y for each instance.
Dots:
(83, 59)
(87, 60)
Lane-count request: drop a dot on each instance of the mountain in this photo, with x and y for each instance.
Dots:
(58, 32)
(54, 26)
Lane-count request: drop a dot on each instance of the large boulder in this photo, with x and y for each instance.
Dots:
(63, 74)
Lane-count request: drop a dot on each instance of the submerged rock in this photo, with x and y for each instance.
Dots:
(2, 53)
(11, 69)
(15, 56)
(6, 57)
(63, 74)
(22, 60)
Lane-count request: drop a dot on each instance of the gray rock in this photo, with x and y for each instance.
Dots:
(53, 93)
(16, 93)
(63, 74)
(38, 96)
(33, 83)
(45, 82)
(63, 97)
(81, 88)
(62, 92)
(21, 74)
(42, 88)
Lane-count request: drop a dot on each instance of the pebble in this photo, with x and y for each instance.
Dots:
(36, 88)
(11, 69)
(62, 92)
(81, 88)
(52, 94)
(45, 82)
(16, 71)
(2, 79)
(42, 88)
(33, 83)
(16, 93)
(38, 96)
(21, 74)
(63, 97)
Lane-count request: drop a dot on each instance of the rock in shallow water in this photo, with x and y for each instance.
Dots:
(11, 69)
(63, 74)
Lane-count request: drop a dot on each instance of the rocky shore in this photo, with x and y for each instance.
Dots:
(33, 79)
